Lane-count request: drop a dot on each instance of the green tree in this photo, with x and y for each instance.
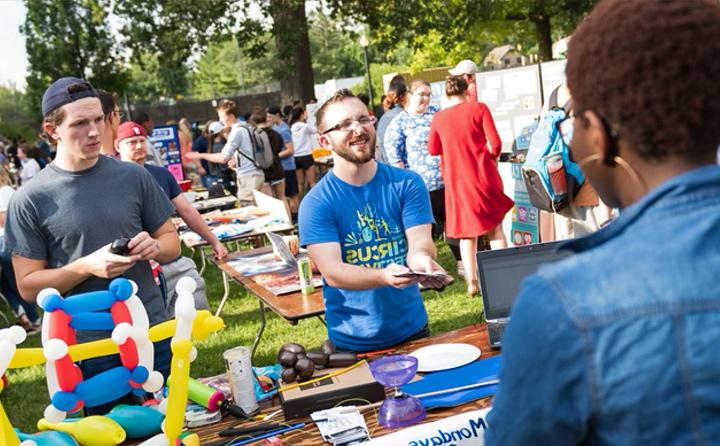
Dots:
(70, 38)
(473, 27)
(173, 31)
(287, 22)
(16, 120)
(336, 53)
(540, 15)
(154, 82)
(176, 30)
(224, 69)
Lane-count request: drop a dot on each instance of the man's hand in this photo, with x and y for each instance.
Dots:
(423, 263)
(144, 247)
(219, 250)
(232, 163)
(103, 263)
(391, 272)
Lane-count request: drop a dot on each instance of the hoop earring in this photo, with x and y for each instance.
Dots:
(622, 163)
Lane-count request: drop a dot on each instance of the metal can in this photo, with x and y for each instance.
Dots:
(240, 376)
(306, 276)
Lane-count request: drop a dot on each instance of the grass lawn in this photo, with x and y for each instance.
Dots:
(26, 396)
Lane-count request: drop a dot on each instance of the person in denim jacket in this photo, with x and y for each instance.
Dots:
(620, 343)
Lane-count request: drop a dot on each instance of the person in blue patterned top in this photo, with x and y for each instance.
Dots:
(406, 144)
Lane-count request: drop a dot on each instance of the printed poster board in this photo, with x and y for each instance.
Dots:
(166, 142)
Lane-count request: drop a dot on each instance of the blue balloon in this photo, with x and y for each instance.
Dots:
(48, 438)
(121, 288)
(92, 321)
(140, 374)
(65, 401)
(137, 421)
(54, 302)
(108, 386)
(88, 302)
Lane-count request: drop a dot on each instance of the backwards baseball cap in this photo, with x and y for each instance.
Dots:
(215, 127)
(129, 129)
(275, 110)
(464, 67)
(64, 91)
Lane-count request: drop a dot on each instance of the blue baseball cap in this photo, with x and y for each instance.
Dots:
(62, 92)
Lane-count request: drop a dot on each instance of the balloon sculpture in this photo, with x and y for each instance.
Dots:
(129, 323)
(131, 338)
(9, 339)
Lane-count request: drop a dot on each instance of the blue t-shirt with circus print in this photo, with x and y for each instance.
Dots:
(369, 223)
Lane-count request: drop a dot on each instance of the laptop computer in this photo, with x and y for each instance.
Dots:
(501, 272)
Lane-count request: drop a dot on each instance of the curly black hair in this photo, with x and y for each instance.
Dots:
(651, 68)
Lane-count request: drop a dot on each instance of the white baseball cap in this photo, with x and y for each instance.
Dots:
(464, 67)
(215, 127)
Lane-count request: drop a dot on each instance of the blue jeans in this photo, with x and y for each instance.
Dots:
(95, 366)
(9, 289)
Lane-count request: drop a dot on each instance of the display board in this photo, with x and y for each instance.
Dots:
(514, 96)
(167, 143)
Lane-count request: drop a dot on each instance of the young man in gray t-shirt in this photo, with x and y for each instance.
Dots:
(238, 148)
(59, 227)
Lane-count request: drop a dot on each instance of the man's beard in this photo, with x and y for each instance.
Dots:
(348, 154)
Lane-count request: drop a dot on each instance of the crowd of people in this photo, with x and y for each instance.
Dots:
(612, 345)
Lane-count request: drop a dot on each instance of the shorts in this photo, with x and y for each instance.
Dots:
(176, 270)
(276, 182)
(291, 186)
(304, 162)
(245, 185)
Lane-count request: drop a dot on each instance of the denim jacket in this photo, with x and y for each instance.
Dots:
(619, 344)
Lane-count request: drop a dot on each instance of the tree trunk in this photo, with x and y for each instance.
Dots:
(290, 28)
(544, 37)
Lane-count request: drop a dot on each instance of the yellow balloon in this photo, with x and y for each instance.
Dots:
(94, 430)
(203, 326)
(177, 389)
(7, 434)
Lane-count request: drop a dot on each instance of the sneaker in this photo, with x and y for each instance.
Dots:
(30, 328)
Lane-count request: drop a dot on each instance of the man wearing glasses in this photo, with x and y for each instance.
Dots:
(366, 226)
(113, 116)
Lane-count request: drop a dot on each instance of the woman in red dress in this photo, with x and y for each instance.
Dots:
(474, 200)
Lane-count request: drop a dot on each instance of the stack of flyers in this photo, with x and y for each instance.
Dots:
(341, 426)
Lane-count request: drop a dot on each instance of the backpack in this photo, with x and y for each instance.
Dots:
(547, 149)
(275, 172)
(263, 155)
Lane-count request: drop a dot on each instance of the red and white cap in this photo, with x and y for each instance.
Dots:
(129, 129)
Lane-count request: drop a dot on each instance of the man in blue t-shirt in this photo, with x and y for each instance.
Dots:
(362, 224)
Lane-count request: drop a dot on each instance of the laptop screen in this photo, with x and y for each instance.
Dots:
(502, 271)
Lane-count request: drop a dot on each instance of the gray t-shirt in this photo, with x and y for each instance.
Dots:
(61, 216)
(239, 139)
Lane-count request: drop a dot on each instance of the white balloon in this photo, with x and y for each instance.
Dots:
(154, 382)
(54, 415)
(44, 294)
(55, 349)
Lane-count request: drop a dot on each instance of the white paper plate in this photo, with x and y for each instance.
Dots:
(438, 357)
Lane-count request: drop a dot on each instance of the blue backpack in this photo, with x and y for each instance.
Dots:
(547, 144)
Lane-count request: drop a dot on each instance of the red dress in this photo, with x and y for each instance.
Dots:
(474, 198)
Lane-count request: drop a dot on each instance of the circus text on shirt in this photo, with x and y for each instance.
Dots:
(375, 241)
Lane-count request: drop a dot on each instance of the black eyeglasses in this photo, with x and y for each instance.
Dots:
(349, 124)
(119, 113)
